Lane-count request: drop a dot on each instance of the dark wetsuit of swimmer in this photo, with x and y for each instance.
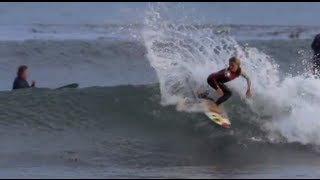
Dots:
(20, 83)
(316, 54)
(218, 79)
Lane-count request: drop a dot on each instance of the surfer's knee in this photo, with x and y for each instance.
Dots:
(225, 97)
(211, 83)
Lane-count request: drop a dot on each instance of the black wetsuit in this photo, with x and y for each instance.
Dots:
(316, 54)
(20, 83)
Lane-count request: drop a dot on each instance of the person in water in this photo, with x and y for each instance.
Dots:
(316, 55)
(218, 79)
(20, 81)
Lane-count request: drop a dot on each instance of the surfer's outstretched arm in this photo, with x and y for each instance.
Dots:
(248, 93)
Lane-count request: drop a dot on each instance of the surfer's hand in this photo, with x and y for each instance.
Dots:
(248, 93)
(220, 92)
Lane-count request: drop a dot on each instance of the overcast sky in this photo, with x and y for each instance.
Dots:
(257, 13)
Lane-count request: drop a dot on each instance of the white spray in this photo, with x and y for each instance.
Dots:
(184, 55)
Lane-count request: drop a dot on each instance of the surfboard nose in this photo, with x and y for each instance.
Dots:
(225, 124)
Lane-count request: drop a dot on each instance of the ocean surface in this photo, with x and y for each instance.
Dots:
(135, 114)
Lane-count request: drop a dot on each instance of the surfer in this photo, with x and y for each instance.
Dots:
(21, 79)
(216, 80)
(316, 55)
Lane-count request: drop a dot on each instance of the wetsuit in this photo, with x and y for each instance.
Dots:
(316, 57)
(217, 80)
(20, 83)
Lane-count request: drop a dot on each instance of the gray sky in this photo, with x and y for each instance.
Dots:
(257, 13)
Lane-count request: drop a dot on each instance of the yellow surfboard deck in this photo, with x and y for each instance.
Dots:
(216, 118)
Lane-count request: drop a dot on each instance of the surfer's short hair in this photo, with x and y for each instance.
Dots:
(21, 69)
(234, 59)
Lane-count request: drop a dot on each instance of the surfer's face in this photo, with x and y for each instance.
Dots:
(25, 74)
(233, 67)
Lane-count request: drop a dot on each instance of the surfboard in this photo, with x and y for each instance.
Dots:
(221, 120)
(218, 119)
(73, 85)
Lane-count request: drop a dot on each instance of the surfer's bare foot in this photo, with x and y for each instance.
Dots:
(216, 109)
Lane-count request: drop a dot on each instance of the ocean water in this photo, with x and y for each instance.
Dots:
(135, 114)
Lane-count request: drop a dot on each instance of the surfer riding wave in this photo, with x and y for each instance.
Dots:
(218, 79)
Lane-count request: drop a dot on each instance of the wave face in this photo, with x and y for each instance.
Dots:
(125, 130)
(118, 111)
(285, 107)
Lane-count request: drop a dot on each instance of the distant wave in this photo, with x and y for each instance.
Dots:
(133, 31)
